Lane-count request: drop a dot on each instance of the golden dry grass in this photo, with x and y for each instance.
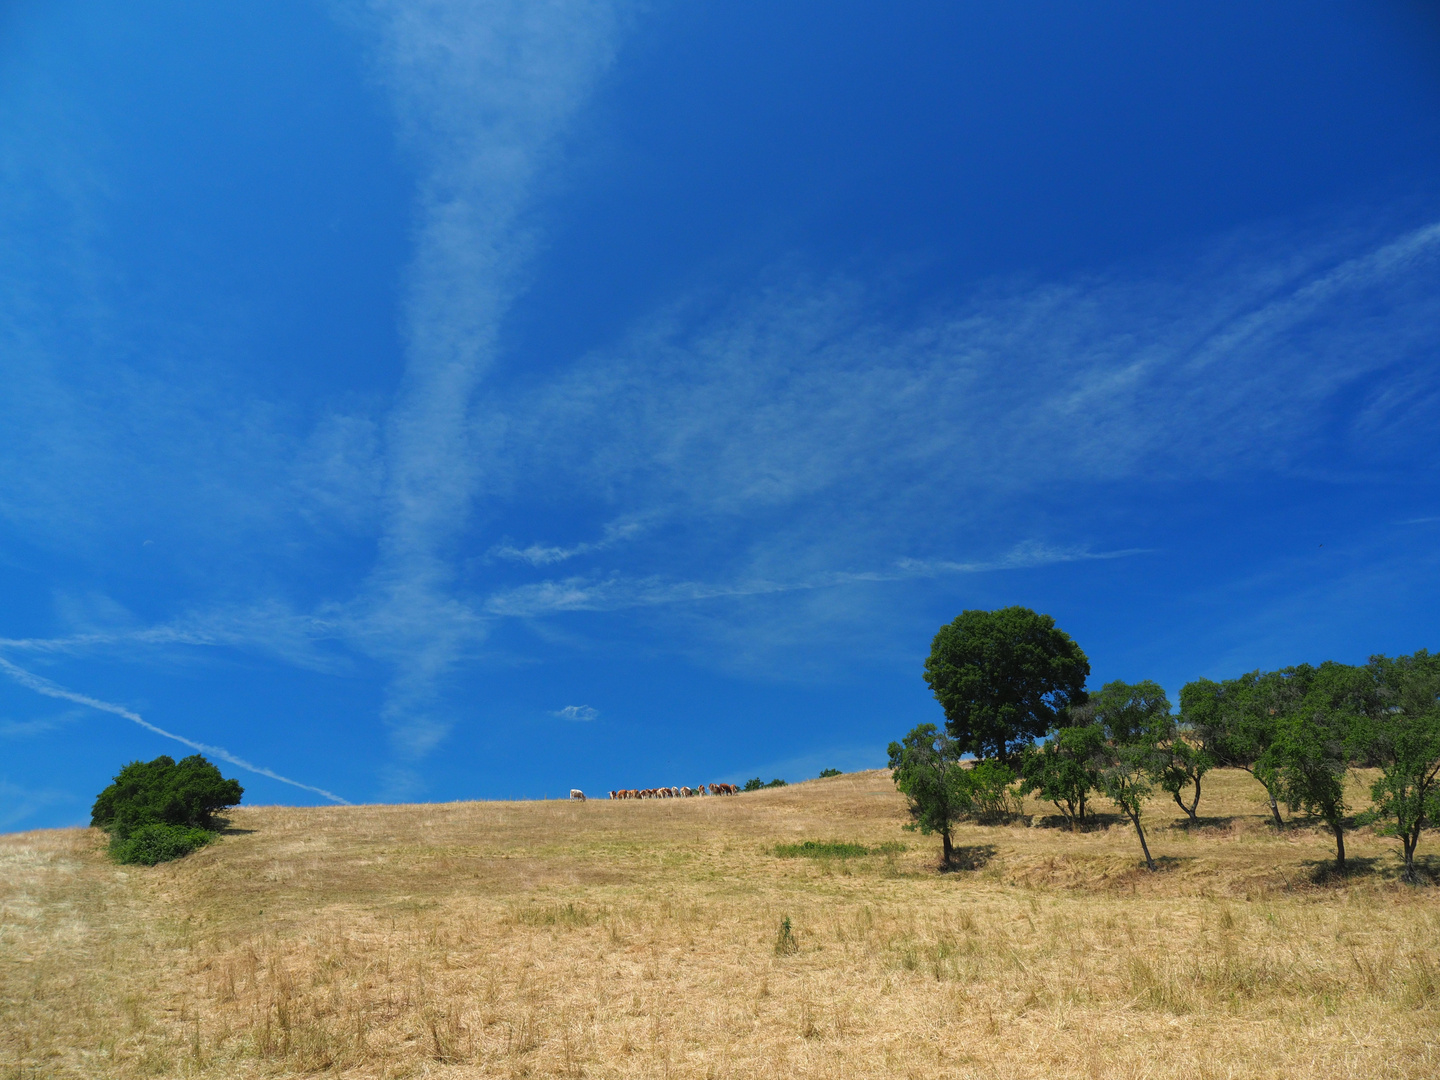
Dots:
(638, 939)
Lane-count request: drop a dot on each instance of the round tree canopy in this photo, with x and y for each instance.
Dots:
(1004, 678)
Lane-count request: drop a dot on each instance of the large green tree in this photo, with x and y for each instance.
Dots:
(1004, 678)
(185, 794)
(1401, 735)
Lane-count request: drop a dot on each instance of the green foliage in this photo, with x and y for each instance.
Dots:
(1136, 722)
(941, 788)
(1320, 713)
(992, 791)
(1183, 765)
(1065, 769)
(1402, 736)
(157, 843)
(833, 849)
(1004, 679)
(1234, 722)
(927, 770)
(182, 797)
(756, 784)
(825, 773)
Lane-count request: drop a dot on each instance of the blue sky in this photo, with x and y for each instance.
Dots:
(437, 400)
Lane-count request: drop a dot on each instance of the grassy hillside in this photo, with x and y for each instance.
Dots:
(638, 939)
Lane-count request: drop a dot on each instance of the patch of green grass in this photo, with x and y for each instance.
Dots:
(834, 849)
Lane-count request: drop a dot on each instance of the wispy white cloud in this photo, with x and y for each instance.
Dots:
(483, 93)
(39, 725)
(583, 713)
(49, 689)
(547, 555)
(616, 593)
(809, 392)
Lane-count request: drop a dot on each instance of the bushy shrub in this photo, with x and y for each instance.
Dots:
(162, 809)
(992, 790)
(824, 773)
(157, 843)
(755, 784)
(164, 792)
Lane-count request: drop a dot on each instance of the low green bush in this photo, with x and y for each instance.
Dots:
(824, 773)
(756, 784)
(157, 843)
(834, 849)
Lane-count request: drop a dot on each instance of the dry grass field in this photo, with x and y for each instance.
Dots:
(638, 939)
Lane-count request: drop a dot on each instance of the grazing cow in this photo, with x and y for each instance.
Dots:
(576, 793)
(685, 793)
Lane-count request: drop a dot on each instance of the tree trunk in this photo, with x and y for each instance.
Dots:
(1149, 862)
(1082, 811)
(949, 850)
(1270, 794)
(1189, 810)
(1411, 839)
(1339, 830)
(1274, 809)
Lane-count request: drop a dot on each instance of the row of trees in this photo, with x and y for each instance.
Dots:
(1012, 685)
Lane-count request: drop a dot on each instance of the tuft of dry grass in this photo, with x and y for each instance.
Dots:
(647, 939)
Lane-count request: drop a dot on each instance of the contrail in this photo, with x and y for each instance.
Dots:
(50, 689)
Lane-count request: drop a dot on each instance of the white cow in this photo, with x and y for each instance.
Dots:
(576, 793)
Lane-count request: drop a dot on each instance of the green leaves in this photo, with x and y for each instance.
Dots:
(151, 844)
(1137, 726)
(1004, 679)
(1402, 736)
(756, 784)
(1318, 713)
(1065, 769)
(162, 805)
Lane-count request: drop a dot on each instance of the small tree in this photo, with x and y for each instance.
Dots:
(1402, 737)
(1184, 765)
(1065, 769)
(1234, 722)
(992, 791)
(1314, 740)
(1135, 719)
(927, 770)
(825, 774)
(1004, 679)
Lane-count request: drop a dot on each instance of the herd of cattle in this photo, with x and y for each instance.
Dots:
(665, 792)
(675, 792)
